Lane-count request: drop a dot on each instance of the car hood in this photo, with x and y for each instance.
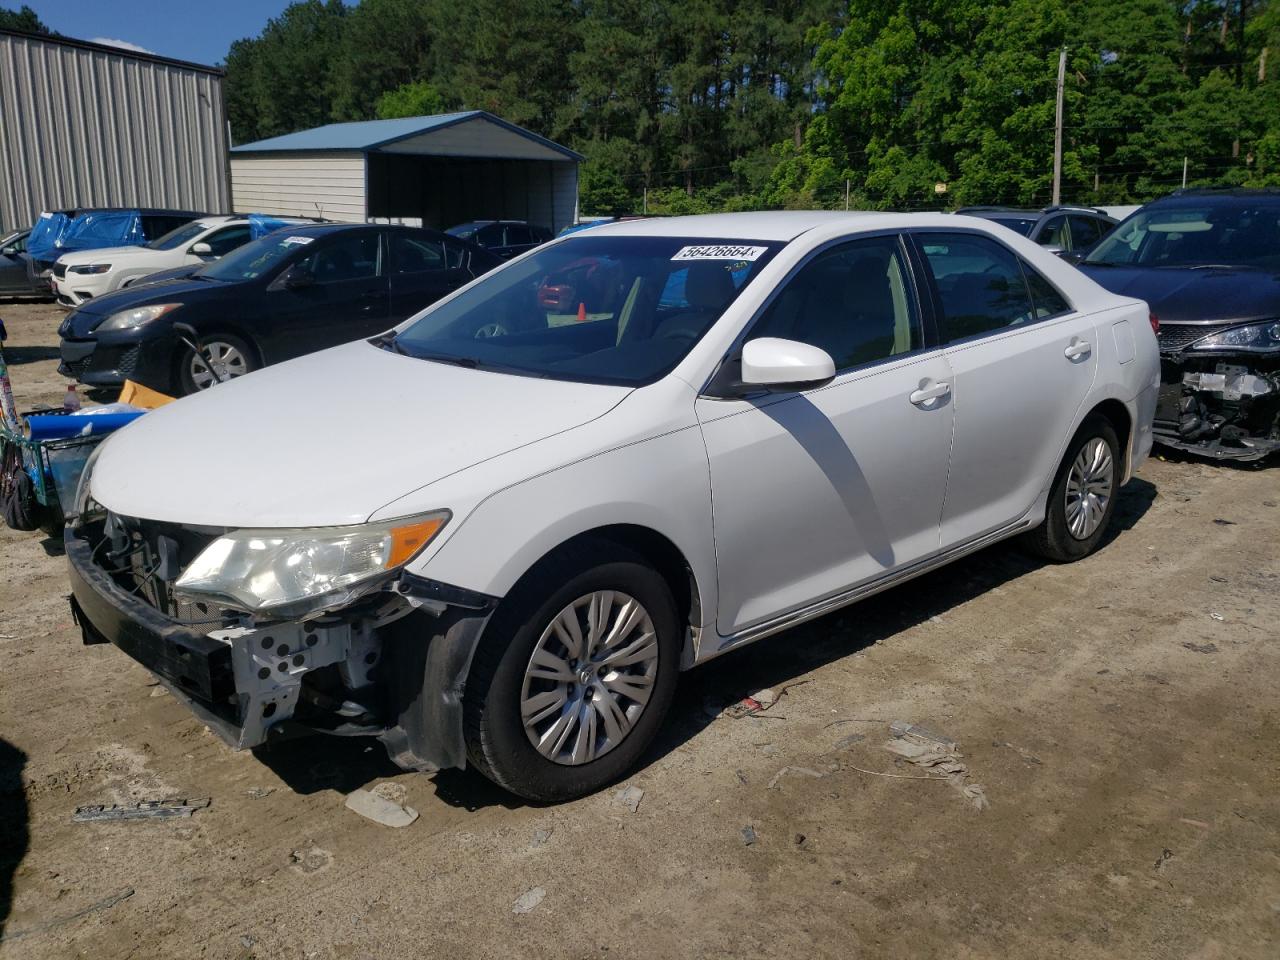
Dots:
(102, 255)
(328, 438)
(81, 321)
(1186, 296)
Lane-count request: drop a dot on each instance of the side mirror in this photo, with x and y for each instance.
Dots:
(778, 364)
(296, 278)
(9, 251)
(1053, 248)
(201, 249)
(1072, 258)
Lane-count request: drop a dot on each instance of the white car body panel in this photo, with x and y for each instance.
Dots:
(770, 523)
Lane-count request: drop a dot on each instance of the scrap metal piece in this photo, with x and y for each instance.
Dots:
(145, 810)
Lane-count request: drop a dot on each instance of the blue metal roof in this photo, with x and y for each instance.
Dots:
(367, 135)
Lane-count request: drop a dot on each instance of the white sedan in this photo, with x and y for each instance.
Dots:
(86, 274)
(493, 536)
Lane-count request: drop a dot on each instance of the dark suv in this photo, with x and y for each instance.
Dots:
(1208, 264)
(1066, 228)
(503, 238)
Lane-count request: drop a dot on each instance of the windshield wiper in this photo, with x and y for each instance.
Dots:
(1220, 266)
(467, 362)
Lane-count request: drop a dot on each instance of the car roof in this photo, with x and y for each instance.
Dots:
(1197, 196)
(767, 225)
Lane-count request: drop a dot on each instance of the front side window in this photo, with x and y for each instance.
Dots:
(518, 235)
(852, 301)
(224, 241)
(591, 308)
(177, 237)
(349, 256)
(1054, 233)
(979, 282)
(1085, 232)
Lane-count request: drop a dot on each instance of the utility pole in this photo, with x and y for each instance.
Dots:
(1184, 173)
(846, 193)
(1057, 130)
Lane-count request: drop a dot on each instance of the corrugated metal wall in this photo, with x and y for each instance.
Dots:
(83, 126)
(299, 184)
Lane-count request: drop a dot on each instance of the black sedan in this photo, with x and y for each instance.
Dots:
(295, 291)
(15, 277)
(1208, 264)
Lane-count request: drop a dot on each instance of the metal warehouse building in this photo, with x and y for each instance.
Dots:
(87, 125)
(439, 171)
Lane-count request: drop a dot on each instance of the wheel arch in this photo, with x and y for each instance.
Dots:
(661, 553)
(1118, 415)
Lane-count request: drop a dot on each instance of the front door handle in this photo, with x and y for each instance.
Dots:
(1077, 349)
(926, 394)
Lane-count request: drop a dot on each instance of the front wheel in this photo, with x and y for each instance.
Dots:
(231, 357)
(1083, 496)
(573, 676)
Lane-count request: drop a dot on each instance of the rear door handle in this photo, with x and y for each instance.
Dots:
(925, 394)
(1077, 349)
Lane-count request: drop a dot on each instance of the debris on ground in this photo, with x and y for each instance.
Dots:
(1224, 523)
(1201, 647)
(754, 703)
(1217, 616)
(392, 791)
(932, 751)
(105, 904)
(742, 777)
(802, 771)
(311, 860)
(1217, 579)
(257, 793)
(629, 798)
(748, 835)
(528, 900)
(540, 837)
(799, 839)
(844, 743)
(1024, 754)
(1165, 856)
(158, 691)
(379, 809)
(145, 810)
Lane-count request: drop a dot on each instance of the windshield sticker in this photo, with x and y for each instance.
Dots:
(720, 252)
(288, 240)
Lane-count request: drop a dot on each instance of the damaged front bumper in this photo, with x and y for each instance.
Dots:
(1219, 405)
(393, 665)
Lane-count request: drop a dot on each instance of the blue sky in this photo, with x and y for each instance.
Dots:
(185, 29)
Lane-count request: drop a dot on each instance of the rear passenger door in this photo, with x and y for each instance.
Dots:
(422, 270)
(821, 489)
(1022, 364)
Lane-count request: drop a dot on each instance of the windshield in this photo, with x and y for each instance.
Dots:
(621, 310)
(178, 236)
(1229, 234)
(255, 258)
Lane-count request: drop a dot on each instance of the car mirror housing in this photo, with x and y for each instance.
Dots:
(778, 364)
(201, 249)
(9, 251)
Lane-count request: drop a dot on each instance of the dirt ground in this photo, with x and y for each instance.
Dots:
(1120, 715)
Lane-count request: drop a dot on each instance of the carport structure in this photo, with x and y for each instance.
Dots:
(437, 171)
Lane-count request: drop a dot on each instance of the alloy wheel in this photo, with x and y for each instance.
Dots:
(227, 359)
(589, 678)
(1089, 487)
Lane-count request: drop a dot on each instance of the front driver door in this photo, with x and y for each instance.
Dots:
(13, 268)
(344, 296)
(819, 490)
(1023, 362)
(423, 269)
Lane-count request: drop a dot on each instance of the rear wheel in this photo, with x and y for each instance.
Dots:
(573, 676)
(231, 357)
(1083, 496)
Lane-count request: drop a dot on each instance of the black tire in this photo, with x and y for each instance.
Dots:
(185, 358)
(497, 744)
(1053, 540)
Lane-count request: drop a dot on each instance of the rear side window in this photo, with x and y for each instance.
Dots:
(518, 235)
(1085, 232)
(1046, 299)
(351, 256)
(1054, 233)
(979, 282)
(852, 301)
(490, 236)
(413, 255)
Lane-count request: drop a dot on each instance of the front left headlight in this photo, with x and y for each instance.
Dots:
(296, 572)
(90, 268)
(1250, 338)
(136, 317)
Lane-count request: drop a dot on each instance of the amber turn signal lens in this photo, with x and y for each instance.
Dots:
(409, 539)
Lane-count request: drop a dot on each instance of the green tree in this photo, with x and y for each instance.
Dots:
(419, 99)
(24, 18)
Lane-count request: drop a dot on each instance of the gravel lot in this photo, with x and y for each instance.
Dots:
(1120, 715)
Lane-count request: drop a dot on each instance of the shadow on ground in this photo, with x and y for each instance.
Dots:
(14, 834)
(318, 763)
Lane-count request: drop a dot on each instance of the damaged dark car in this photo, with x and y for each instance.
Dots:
(1208, 264)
